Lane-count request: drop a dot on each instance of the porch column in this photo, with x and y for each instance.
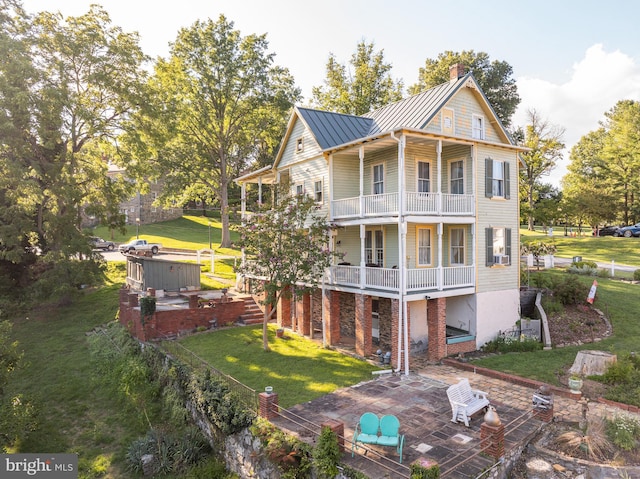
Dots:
(304, 320)
(284, 309)
(361, 171)
(260, 190)
(243, 200)
(440, 270)
(363, 272)
(364, 342)
(437, 328)
(396, 349)
(439, 175)
(332, 316)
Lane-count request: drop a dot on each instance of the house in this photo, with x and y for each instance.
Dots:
(423, 194)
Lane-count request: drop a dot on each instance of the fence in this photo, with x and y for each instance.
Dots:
(247, 396)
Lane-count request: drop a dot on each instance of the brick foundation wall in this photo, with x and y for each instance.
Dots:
(462, 347)
(176, 321)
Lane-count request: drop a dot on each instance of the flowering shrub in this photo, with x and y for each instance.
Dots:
(623, 431)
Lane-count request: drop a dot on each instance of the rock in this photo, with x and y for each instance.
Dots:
(539, 469)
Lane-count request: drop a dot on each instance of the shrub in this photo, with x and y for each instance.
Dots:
(570, 290)
(424, 470)
(584, 270)
(623, 431)
(582, 264)
(326, 454)
(636, 275)
(503, 345)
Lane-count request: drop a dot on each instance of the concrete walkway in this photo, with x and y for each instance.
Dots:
(420, 402)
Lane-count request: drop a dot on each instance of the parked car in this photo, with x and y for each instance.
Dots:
(607, 231)
(629, 231)
(99, 243)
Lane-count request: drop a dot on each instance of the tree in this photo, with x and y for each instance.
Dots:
(367, 86)
(287, 249)
(621, 152)
(545, 143)
(66, 86)
(220, 102)
(495, 79)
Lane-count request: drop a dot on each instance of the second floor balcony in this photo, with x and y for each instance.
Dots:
(388, 204)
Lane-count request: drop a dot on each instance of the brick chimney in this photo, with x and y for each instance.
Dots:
(456, 71)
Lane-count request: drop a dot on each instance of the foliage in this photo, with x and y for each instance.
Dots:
(211, 468)
(66, 86)
(545, 143)
(352, 473)
(288, 250)
(636, 275)
(214, 398)
(593, 441)
(623, 431)
(424, 471)
(291, 455)
(366, 87)
(170, 454)
(147, 307)
(495, 79)
(502, 344)
(569, 290)
(326, 454)
(584, 269)
(219, 104)
(583, 263)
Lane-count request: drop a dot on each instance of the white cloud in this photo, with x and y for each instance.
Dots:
(598, 81)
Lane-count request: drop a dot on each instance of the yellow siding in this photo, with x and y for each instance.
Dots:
(311, 148)
(465, 105)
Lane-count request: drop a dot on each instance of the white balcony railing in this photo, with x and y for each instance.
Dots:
(415, 203)
(388, 279)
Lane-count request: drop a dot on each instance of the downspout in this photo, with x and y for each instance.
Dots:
(403, 329)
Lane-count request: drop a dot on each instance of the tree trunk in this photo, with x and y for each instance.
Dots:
(592, 363)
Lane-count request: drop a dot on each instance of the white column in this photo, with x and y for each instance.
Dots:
(362, 256)
(361, 174)
(440, 270)
(439, 175)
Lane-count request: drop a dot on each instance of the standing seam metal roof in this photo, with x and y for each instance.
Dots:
(332, 129)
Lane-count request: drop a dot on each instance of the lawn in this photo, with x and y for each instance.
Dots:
(602, 249)
(297, 368)
(617, 299)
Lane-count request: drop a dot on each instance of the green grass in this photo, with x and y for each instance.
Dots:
(298, 369)
(74, 415)
(188, 232)
(602, 249)
(617, 299)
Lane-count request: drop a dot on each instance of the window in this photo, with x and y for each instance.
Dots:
(424, 246)
(477, 127)
(374, 247)
(424, 183)
(496, 179)
(378, 179)
(299, 189)
(457, 245)
(457, 177)
(299, 145)
(317, 191)
(498, 242)
(447, 121)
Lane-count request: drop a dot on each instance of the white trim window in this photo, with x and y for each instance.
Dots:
(299, 189)
(498, 246)
(457, 245)
(423, 244)
(423, 177)
(378, 179)
(477, 127)
(457, 177)
(317, 191)
(374, 247)
(497, 179)
(300, 145)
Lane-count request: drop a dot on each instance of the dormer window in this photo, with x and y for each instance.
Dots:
(477, 127)
(299, 145)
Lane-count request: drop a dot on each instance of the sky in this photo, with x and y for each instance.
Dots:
(572, 60)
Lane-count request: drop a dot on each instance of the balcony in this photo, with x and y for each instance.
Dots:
(388, 279)
(435, 204)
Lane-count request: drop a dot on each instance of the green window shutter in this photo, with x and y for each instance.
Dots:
(507, 186)
(489, 243)
(507, 244)
(488, 177)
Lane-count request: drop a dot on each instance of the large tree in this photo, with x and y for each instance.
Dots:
(287, 248)
(365, 86)
(495, 79)
(221, 105)
(66, 86)
(545, 142)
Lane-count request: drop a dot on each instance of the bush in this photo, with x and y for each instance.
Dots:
(570, 290)
(582, 264)
(636, 275)
(584, 270)
(623, 431)
(503, 345)
(326, 454)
